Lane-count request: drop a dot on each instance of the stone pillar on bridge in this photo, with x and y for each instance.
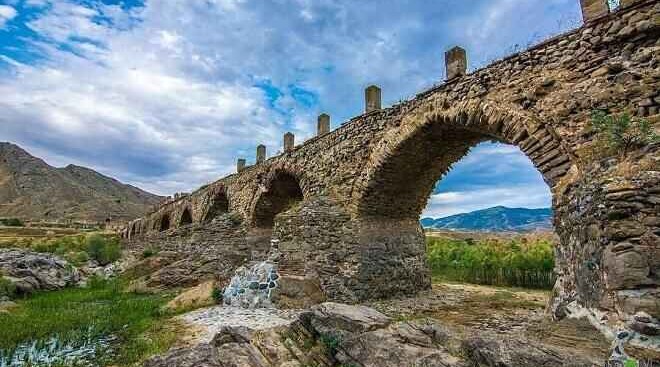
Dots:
(323, 124)
(456, 63)
(372, 98)
(289, 142)
(592, 9)
(261, 153)
(240, 164)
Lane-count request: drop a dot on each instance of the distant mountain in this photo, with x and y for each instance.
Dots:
(32, 189)
(495, 219)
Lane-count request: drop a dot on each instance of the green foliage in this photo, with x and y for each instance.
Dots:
(12, 222)
(104, 250)
(149, 252)
(621, 133)
(101, 309)
(331, 343)
(7, 288)
(217, 294)
(493, 262)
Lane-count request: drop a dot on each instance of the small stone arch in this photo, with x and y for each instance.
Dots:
(283, 191)
(186, 217)
(164, 223)
(133, 229)
(218, 205)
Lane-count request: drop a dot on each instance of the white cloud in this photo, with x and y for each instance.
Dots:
(163, 96)
(7, 13)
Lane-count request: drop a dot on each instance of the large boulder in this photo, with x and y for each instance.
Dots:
(31, 271)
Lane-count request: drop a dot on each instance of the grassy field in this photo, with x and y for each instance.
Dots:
(503, 261)
(113, 326)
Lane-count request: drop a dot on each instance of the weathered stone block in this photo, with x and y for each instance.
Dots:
(261, 153)
(240, 165)
(455, 63)
(323, 124)
(372, 96)
(592, 9)
(289, 142)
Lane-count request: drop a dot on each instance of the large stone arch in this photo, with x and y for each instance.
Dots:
(408, 161)
(405, 165)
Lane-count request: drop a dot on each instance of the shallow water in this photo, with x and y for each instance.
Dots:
(91, 351)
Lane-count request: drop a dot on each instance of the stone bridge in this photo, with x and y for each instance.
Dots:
(345, 205)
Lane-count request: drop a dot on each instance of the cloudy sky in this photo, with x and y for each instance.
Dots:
(166, 94)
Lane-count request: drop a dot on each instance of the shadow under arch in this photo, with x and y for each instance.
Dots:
(283, 191)
(186, 217)
(164, 223)
(219, 204)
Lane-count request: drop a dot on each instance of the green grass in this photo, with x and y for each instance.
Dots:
(99, 310)
(509, 263)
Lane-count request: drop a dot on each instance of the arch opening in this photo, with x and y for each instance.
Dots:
(283, 193)
(164, 222)
(397, 189)
(219, 205)
(186, 217)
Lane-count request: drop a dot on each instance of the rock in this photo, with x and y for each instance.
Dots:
(31, 271)
(203, 355)
(199, 296)
(297, 292)
(338, 319)
(491, 351)
(400, 344)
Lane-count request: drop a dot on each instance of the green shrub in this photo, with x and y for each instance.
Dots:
(621, 133)
(12, 222)
(7, 288)
(148, 252)
(217, 294)
(493, 262)
(104, 250)
(331, 343)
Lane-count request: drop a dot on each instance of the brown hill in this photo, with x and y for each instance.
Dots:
(32, 189)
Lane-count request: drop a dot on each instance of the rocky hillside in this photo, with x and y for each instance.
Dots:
(498, 218)
(32, 189)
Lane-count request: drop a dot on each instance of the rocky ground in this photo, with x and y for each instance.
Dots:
(450, 325)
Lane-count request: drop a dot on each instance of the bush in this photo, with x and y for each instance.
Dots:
(7, 288)
(217, 294)
(493, 262)
(621, 133)
(12, 222)
(148, 252)
(104, 250)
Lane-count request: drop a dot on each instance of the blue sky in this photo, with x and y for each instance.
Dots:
(166, 94)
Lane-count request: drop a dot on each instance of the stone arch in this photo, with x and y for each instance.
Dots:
(186, 217)
(283, 190)
(218, 205)
(405, 166)
(164, 223)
